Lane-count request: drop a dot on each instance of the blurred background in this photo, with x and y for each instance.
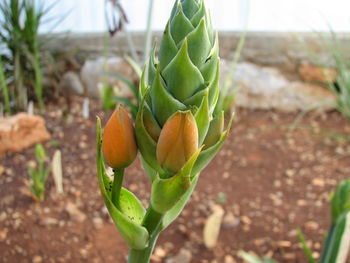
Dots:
(229, 15)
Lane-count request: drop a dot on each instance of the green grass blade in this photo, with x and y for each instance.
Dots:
(306, 248)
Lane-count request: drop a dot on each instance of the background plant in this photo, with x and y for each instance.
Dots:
(39, 173)
(116, 20)
(19, 24)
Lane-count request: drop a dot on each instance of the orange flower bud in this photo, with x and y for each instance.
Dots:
(118, 142)
(178, 141)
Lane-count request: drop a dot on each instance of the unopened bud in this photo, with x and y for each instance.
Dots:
(178, 141)
(118, 143)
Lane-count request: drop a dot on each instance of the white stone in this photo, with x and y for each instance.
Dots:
(267, 88)
(93, 73)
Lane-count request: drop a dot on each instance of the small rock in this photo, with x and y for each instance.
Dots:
(283, 244)
(98, 222)
(311, 225)
(290, 172)
(160, 252)
(50, 221)
(3, 216)
(246, 220)
(71, 83)
(8, 199)
(313, 73)
(318, 182)
(184, 256)
(230, 221)
(229, 259)
(21, 131)
(37, 259)
(75, 213)
(3, 234)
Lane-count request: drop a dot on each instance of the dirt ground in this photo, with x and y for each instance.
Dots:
(269, 180)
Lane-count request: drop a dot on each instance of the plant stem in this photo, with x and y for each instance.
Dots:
(3, 84)
(117, 185)
(152, 222)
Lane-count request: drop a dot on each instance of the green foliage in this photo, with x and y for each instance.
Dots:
(342, 86)
(109, 99)
(305, 246)
(38, 174)
(4, 88)
(251, 258)
(228, 95)
(106, 96)
(336, 246)
(19, 25)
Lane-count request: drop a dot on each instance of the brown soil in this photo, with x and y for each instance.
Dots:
(270, 180)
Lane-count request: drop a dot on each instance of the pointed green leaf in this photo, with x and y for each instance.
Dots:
(214, 89)
(207, 155)
(130, 229)
(143, 83)
(209, 69)
(168, 49)
(147, 146)
(199, 44)
(215, 130)
(181, 76)
(150, 123)
(167, 192)
(202, 117)
(174, 212)
(180, 26)
(190, 7)
(197, 98)
(177, 6)
(163, 103)
(197, 17)
(151, 68)
(131, 206)
(340, 201)
(337, 246)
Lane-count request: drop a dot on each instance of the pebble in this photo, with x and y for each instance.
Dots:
(229, 259)
(37, 259)
(75, 213)
(50, 221)
(230, 221)
(98, 222)
(184, 256)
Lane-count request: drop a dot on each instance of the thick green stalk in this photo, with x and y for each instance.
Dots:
(152, 222)
(117, 185)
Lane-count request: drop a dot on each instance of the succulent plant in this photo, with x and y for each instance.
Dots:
(176, 131)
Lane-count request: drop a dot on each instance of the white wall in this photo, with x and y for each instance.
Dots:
(259, 15)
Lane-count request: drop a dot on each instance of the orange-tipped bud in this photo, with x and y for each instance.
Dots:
(118, 142)
(178, 141)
